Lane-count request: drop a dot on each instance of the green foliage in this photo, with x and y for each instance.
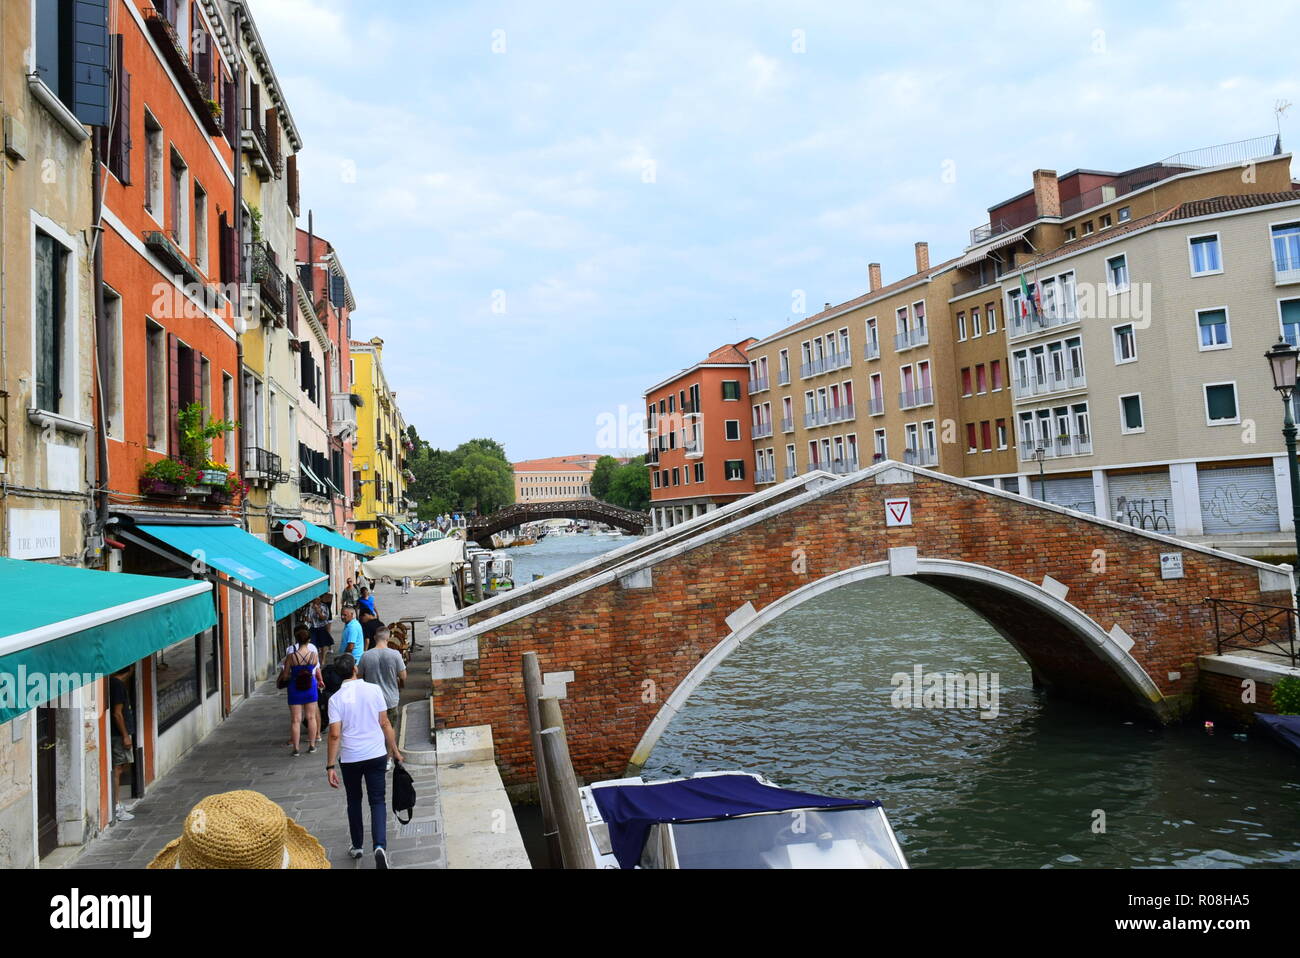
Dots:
(630, 486)
(474, 475)
(602, 475)
(197, 436)
(1286, 696)
(171, 471)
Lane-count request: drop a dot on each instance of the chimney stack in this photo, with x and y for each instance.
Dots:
(826, 307)
(1047, 193)
(873, 270)
(922, 257)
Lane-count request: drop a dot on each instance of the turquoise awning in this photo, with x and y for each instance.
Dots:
(407, 529)
(275, 576)
(327, 537)
(64, 627)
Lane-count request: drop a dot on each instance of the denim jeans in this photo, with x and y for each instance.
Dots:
(372, 771)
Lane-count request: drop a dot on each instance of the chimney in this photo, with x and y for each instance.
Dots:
(826, 307)
(873, 271)
(922, 257)
(1047, 193)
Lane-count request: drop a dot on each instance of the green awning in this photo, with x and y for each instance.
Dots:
(407, 529)
(327, 537)
(277, 578)
(64, 627)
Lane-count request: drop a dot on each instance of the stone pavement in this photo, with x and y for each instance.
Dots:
(248, 750)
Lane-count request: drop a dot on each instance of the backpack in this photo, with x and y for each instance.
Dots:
(302, 680)
(403, 793)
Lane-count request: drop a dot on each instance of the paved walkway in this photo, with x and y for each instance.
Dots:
(248, 750)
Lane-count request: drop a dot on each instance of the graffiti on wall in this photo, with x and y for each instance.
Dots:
(1150, 514)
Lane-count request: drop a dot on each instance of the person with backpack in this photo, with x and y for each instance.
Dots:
(300, 674)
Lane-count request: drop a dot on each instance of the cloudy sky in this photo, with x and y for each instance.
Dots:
(545, 209)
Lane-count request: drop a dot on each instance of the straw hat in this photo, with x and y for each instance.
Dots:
(241, 829)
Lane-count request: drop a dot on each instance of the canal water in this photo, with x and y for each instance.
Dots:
(809, 702)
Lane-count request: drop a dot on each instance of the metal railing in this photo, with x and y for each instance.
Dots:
(1057, 448)
(917, 336)
(1073, 378)
(263, 464)
(755, 386)
(692, 447)
(1037, 322)
(783, 377)
(982, 234)
(871, 351)
(876, 406)
(1255, 627)
(762, 476)
(760, 430)
(925, 456)
(813, 368)
(790, 472)
(843, 413)
(842, 467)
(916, 397)
(787, 425)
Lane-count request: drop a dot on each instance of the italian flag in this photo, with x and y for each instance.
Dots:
(1025, 298)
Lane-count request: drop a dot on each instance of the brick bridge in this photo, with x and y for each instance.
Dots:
(481, 528)
(1083, 600)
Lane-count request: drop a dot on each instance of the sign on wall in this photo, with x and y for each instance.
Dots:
(1171, 565)
(34, 534)
(898, 512)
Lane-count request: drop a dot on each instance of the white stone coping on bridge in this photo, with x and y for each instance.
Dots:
(763, 515)
(477, 817)
(703, 520)
(1243, 667)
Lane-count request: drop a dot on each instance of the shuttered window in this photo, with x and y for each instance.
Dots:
(1221, 403)
(1291, 321)
(119, 144)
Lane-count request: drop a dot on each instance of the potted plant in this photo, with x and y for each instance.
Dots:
(195, 439)
(166, 477)
(215, 108)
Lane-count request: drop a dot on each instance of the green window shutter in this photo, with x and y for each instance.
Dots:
(1291, 312)
(1132, 412)
(1221, 401)
(1212, 317)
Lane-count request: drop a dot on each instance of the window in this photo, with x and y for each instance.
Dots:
(733, 428)
(153, 164)
(699, 472)
(735, 469)
(731, 389)
(878, 440)
(1125, 214)
(177, 669)
(656, 477)
(976, 331)
(1002, 433)
(50, 319)
(1071, 234)
(156, 386)
(1221, 404)
(201, 228)
(1290, 312)
(1204, 251)
(986, 436)
(112, 372)
(1125, 343)
(1087, 228)
(672, 400)
(1117, 273)
(1213, 326)
(1286, 247)
(1103, 222)
(971, 447)
(995, 373)
(677, 476)
(178, 216)
(981, 384)
(961, 327)
(965, 381)
(991, 317)
(1130, 419)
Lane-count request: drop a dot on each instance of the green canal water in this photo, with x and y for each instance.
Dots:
(808, 702)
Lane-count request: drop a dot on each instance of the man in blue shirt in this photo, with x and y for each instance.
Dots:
(354, 640)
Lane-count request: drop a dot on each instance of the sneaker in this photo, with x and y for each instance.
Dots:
(355, 852)
(311, 748)
(381, 857)
(120, 814)
(295, 753)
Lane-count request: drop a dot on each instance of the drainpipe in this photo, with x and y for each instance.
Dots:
(99, 476)
(238, 146)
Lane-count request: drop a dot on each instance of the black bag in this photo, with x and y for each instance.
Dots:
(302, 681)
(403, 793)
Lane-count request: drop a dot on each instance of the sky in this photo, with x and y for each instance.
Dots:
(546, 209)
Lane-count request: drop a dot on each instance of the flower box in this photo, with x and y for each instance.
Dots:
(156, 487)
(213, 477)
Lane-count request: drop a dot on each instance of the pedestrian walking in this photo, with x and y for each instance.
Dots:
(361, 741)
(406, 585)
(367, 601)
(300, 670)
(122, 737)
(354, 639)
(318, 621)
(385, 667)
(370, 624)
(350, 595)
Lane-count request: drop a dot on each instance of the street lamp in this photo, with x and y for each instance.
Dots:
(1282, 361)
(1040, 454)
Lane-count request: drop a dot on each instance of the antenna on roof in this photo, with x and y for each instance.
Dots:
(1279, 108)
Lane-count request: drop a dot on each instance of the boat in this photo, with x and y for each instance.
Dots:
(732, 819)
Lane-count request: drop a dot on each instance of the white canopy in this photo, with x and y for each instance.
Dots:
(433, 560)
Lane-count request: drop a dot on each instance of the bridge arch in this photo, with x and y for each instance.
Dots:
(482, 528)
(982, 589)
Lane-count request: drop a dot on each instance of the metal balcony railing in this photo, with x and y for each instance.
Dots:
(843, 413)
(783, 377)
(876, 406)
(762, 476)
(264, 465)
(1286, 266)
(1026, 386)
(916, 397)
(813, 368)
(1062, 315)
(924, 456)
(787, 425)
(790, 472)
(1055, 448)
(760, 430)
(842, 467)
(692, 448)
(757, 385)
(871, 351)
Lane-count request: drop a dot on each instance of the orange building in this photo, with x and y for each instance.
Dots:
(701, 443)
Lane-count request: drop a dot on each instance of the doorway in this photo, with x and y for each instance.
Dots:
(47, 814)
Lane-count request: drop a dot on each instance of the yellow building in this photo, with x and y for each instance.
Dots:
(379, 458)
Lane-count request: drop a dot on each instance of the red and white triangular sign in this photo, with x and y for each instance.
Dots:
(898, 512)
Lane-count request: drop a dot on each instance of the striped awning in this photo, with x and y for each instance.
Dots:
(974, 256)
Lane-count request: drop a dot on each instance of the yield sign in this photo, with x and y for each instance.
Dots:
(898, 512)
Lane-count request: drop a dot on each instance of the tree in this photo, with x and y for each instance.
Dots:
(476, 474)
(602, 475)
(630, 487)
(483, 481)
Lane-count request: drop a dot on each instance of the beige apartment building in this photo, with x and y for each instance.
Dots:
(556, 479)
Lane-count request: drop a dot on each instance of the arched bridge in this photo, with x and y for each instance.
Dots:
(482, 528)
(1100, 611)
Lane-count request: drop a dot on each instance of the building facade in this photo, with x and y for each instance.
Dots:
(554, 479)
(701, 447)
(379, 459)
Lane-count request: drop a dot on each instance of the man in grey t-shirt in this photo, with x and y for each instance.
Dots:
(386, 668)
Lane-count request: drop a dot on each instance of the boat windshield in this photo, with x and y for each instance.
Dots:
(811, 838)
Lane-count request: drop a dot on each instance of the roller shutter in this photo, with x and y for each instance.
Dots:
(1074, 493)
(1143, 500)
(1240, 499)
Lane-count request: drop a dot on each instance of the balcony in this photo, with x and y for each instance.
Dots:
(982, 234)
(693, 448)
(876, 406)
(839, 360)
(760, 430)
(652, 457)
(1030, 325)
(924, 456)
(343, 418)
(916, 397)
(690, 409)
(1027, 386)
(1057, 448)
(755, 386)
(261, 147)
(172, 256)
(843, 413)
(783, 377)
(266, 273)
(871, 351)
(263, 467)
(909, 338)
(842, 467)
(1286, 268)
(787, 425)
(176, 52)
(814, 368)
(764, 476)
(790, 472)
(818, 417)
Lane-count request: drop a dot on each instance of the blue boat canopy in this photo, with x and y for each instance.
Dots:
(274, 576)
(630, 810)
(327, 537)
(62, 622)
(1285, 728)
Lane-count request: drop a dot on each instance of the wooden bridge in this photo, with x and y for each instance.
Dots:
(482, 528)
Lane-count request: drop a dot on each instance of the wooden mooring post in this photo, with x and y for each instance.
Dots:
(532, 671)
(575, 849)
